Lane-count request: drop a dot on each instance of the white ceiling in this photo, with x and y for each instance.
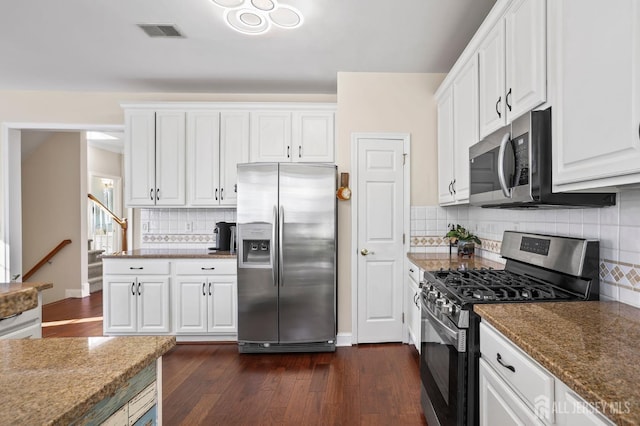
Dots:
(96, 44)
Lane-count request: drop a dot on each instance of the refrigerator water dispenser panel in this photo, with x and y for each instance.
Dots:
(256, 252)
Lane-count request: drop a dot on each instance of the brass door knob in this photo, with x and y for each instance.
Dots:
(365, 252)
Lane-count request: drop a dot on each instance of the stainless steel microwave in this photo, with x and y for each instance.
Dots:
(511, 168)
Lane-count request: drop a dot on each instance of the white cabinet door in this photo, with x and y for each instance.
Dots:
(465, 120)
(234, 149)
(120, 304)
(596, 65)
(313, 137)
(499, 405)
(526, 64)
(492, 80)
(190, 305)
(223, 304)
(153, 304)
(445, 148)
(575, 411)
(139, 157)
(270, 136)
(203, 157)
(170, 158)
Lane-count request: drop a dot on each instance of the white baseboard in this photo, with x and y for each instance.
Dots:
(228, 338)
(343, 339)
(77, 293)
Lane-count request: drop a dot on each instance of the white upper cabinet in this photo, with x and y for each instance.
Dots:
(203, 156)
(292, 136)
(216, 143)
(270, 136)
(313, 137)
(512, 65)
(234, 149)
(596, 107)
(457, 131)
(445, 147)
(155, 158)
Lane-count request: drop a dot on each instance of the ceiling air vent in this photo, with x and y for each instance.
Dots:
(161, 30)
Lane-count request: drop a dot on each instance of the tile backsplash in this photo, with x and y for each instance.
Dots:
(181, 228)
(617, 228)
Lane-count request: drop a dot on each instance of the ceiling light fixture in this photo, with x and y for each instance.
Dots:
(256, 16)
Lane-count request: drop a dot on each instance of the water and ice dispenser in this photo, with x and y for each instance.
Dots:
(254, 248)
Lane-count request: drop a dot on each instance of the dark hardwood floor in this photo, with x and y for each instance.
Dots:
(212, 384)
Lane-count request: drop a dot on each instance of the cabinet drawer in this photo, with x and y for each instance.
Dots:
(414, 273)
(206, 267)
(520, 371)
(137, 267)
(21, 320)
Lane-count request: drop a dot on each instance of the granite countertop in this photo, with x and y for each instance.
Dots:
(19, 297)
(58, 380)
(171, 254)
(593, 347)
(436, 261)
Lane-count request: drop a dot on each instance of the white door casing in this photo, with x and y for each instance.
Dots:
(380, 218)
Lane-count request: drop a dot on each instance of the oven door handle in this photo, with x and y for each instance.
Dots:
(449, 336)
(501, 177)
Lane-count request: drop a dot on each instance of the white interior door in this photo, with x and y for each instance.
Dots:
(380, 250)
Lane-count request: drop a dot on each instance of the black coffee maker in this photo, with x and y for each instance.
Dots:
(223, 233)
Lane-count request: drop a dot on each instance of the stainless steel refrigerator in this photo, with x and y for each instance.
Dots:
(286, 224)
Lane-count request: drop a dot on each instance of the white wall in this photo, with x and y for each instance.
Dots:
(54, 209)
(384, 102)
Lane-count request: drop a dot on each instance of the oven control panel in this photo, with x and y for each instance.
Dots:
(535, 245)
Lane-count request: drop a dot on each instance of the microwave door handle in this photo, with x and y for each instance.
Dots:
(501, 177)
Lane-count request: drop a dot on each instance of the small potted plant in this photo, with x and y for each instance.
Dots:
(464, 239)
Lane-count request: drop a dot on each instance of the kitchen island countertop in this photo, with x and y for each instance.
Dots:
(170, 254)
(437, 261)
(19, 297)
(593, 347)
(58, 380)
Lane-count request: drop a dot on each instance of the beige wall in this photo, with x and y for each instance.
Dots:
(52, 211)
(103, 162)
(383, 102)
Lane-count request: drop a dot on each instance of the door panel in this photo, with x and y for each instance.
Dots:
(190, 305)
(153, 304)
(203, 154)
(121, 302)
(257, 268)
(222, 305)
(307, 283)
(380, 232)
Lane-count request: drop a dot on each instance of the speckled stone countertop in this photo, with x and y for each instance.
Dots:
(20, 297)
(171, 254)
(593, 347)
(436, 261)
(57, 380)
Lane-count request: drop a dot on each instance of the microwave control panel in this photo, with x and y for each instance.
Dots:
(521, 153)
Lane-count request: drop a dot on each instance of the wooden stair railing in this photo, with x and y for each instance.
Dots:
(45, 259)
(122, 222)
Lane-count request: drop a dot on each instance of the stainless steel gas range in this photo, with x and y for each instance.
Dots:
(538, 268)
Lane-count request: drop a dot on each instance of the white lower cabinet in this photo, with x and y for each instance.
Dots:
(24, 325)
(413, 305)
(516, 390)
(136, 296)
(205, 297)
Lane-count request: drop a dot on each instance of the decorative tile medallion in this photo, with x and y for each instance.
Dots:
(177, 238)
(438, 241)
(620, 274)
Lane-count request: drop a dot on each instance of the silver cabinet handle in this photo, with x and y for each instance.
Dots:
(139, 291)
(221, 194)
(157, 194)
(133, 289)
(203, 286)
(299, 151)
(216, 194)
(139, 268)
(498, 108)
(453, 187)
(501, 177)
(208, 269)
(209, 289)
(288, 151)
(366, 252)
(506, 99)
(151, 194)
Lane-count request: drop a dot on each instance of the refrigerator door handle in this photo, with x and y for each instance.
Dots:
(274, 245)
(280, 244)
